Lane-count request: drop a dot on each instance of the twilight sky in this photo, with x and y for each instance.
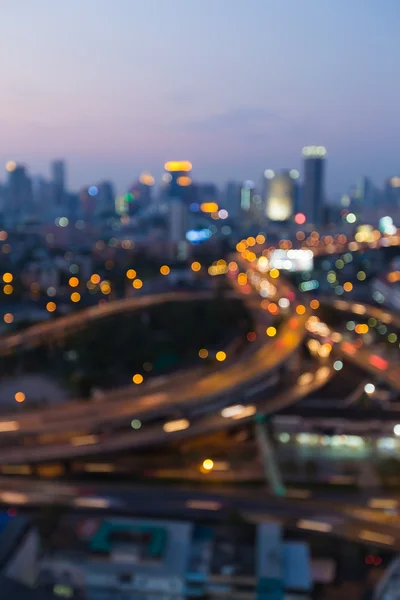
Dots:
(235, 86)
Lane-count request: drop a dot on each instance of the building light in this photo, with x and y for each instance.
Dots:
(314, 152)
(178, 165)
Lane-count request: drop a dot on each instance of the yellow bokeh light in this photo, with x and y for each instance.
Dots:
(233, 266)
(209, 207)
(314, 304)
(95, 278)
(203, 353)
(137, 378)
(165, 270)
(251, 241)
(195, 266)
(8, 318)
(271, 331)
(131, 273)
(75, 296)
(137, 284)
(242, 279)
(11, 165)
(73, 281)
(147, 179)
(220, 356)
(240, 247)
(19, 397)
(178, 165)
(348, 286)
(7, 278)
(260, 239)
(184, 181)
(105, 288)
(8, 289)
(208, 464)
(51, 306)
(362, 328)
(274, 273)
(300, 309)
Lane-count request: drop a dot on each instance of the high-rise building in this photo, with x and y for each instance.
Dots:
(280, 194)
(41, 194)
(178, 193)
(313, 199)
(106, 198)
(392, 192)
(19, 193)
(232, 198)
(58, 185)
(178, 181)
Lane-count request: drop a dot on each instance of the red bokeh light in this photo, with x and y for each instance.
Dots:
(300, 218)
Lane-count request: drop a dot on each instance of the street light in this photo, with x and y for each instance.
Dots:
(369, 388)
(208, 464)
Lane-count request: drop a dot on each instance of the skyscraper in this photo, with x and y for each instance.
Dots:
(280, 194)
(19, 193)
(312, 204)
(178, 180)
(58, 182)
(232, 198)
(106, 198)
(392, 192)
(178, 192)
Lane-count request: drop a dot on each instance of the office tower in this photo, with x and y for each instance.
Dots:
(58, 173)
(139, 196)
(41, 195)
(58, 182)
(392, 192)
(105, 200)
(246, 194)
(19, 193)
(87, 201)
(232, 198)
(178, 182)
(207, 192)
(280, 194)
(177, 220)
(146, 184)
(312, 204)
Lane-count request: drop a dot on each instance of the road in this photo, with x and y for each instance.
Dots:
(340, 516)
(167, 399)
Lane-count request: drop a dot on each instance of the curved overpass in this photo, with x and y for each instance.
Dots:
(195, 393)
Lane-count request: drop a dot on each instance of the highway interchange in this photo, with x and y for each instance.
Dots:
(264, 380)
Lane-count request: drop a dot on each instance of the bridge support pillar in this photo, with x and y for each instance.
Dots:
(270, 464)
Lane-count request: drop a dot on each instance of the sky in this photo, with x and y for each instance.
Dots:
(236, 86)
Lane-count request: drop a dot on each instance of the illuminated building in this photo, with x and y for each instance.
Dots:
(178, 181)
(178, 193)
(280, 194)
(312, 204)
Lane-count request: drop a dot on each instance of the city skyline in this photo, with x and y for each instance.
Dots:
(121, 99)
